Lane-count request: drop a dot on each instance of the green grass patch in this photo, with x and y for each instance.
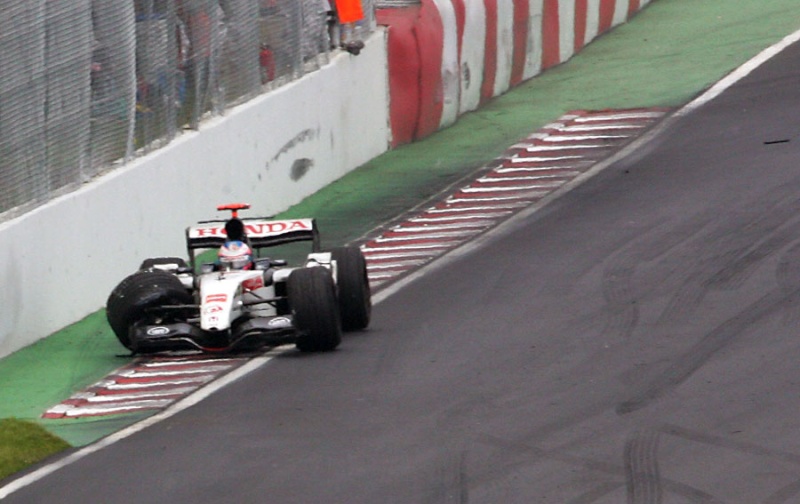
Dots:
(25, 443)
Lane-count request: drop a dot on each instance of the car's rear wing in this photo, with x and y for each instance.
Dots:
(260, 233)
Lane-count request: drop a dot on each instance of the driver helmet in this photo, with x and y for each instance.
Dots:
(235, 255)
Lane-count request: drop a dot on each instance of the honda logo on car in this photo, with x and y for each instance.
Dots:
(216, 298)
(255, 229)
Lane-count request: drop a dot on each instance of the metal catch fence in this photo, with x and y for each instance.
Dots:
(85, 85)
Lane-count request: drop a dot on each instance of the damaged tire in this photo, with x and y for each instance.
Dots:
(129, 301)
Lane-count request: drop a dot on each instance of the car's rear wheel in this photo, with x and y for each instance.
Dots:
(312, 298)
(129, 301)
(355, 301)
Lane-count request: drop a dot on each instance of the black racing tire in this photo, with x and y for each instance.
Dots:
(355, 299)
(149, 264)
(128, 301)
(312, 298)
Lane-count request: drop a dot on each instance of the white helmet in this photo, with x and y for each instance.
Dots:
(235, 255)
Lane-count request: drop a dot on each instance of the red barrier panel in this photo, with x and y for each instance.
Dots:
(417, 63)
(490, 54)
(404, 72)
(461, 19)
(551, 49)
(430, 37)
(607, 14)
(633, 8)
(581, 15)
(460, 10)
(521, 18)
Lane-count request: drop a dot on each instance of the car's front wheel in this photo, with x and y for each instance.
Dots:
(312, 298)
(130, 301)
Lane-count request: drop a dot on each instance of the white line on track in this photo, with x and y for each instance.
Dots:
(739, 74)
(258, 362)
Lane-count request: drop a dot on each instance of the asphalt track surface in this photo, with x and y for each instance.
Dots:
(633, 341)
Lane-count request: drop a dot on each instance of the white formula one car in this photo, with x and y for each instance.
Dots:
(171, 305)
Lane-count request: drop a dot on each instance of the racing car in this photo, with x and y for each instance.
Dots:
(220, 306)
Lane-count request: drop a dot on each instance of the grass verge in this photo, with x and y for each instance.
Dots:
(25, 443)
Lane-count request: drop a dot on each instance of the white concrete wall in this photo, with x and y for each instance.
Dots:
(566, 31)
(533, 56)
(60, 261)
(505, 47)
(451, 69)
(473, 55)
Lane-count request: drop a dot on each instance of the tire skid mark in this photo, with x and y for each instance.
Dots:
(642, 473)
(733, 256)
(741, 264)
(683, 302)
(695, 357)
(693, 289)
(617, 284)
(669, 239)
(704, 263)
(621, 305)
(527, 454)
(788, 277)
(786, 494)
(514, 454)
(735, 273)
